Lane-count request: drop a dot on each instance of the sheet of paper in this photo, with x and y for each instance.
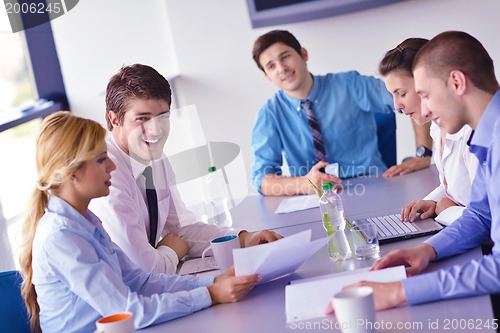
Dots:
(300, 202)
(308, 298)
(278, 258)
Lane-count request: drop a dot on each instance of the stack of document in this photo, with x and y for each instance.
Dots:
(276, 259)
(308, 298)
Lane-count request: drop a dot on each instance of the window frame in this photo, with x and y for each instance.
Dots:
(47, 75)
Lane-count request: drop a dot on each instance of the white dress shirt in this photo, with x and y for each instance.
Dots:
(457, 167)
(124, 213)
(80, 275)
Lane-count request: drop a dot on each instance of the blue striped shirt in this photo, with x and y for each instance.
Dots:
(343, 104)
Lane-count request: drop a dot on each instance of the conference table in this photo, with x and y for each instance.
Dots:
(263, 309)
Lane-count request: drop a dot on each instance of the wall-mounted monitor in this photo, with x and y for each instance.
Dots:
(274, 12)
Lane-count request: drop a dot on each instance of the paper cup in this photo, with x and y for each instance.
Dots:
(355, 310)
(117, 323)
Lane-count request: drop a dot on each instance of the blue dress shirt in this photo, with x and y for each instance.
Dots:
(80, 276)
(480, 220)
(343, 104)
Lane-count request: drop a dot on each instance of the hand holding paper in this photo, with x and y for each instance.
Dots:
(278, 258)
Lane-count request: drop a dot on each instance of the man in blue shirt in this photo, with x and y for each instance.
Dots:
(344, 106)
(455, 78)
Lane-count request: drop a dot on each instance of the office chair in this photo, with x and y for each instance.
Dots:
(386, 134)
(13, 314)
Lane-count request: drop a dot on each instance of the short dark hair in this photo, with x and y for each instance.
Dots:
(134, 82)
(272, 37)
(457, 50)
(401, 57)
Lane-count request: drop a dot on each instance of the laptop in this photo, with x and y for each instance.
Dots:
(390, 228)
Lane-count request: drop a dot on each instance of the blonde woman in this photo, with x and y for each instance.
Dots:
(73, 273)
(455, 163)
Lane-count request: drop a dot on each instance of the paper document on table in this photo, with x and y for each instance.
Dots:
(275, 259)
(308, 298)
(300, 202)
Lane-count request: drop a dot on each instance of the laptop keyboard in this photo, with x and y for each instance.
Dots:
(391, 225)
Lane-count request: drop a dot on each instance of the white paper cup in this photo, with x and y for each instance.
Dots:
(117, 323)
(355, 310)
(222, 248)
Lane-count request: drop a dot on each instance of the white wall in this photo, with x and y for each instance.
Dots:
(97, 37)
(210, 42)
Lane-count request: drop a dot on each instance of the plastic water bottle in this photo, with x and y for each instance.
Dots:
(217, 197)
(334, 223)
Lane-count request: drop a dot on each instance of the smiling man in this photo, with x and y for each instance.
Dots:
(315, 120)
(144, 214)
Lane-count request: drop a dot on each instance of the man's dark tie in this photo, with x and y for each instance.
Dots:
(152, 205)
(319, 149)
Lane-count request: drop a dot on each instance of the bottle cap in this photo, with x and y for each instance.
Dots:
(211, 169)
(327, 186)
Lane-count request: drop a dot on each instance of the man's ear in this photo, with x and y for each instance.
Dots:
(304, 54)
(458, 82)
(113, 118)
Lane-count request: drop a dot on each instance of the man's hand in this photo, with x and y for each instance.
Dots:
(385, 295)
(426, 208)
(317, 178)
(273, 184)
(259, 237)
(444, 203)
(176, 243)
(229, 288)
(408, 166)
(416, 258)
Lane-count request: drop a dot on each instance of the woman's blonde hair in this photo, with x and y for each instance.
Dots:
(63, 144)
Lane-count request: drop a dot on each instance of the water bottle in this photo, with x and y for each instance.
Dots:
(217, 197)
(334, 223)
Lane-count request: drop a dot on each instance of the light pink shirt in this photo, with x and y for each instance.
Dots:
(124, 214)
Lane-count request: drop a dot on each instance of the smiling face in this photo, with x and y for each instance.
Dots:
(287, 69)
(94, 176)
(402, 87)
(144, 130)
(439, 101)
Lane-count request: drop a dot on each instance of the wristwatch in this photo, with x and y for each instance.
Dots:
(423, 151)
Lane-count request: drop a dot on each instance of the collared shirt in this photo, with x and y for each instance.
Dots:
(457, 167)
(479, 221)
(124, 213)
(343, 104)
(80, 275)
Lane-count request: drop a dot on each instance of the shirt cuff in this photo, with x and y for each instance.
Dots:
(436, 194)
(449, 215)
(422, 288)
(201, 297)
(205, 281)
(170, 258)
(441, 244)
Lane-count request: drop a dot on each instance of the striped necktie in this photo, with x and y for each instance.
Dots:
(152, 205)
(319, 149)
